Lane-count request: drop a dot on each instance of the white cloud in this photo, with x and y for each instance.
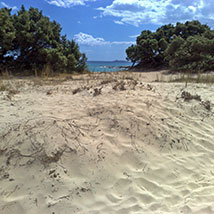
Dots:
(86, 39)
(118, 22)
(136, 12)
(134, 36)
(122, 43)
(9, 7)
(68, 3)
(89, 40)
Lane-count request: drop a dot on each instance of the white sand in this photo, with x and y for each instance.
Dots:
(139, 150)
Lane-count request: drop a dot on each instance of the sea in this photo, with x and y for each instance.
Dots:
(108, 66)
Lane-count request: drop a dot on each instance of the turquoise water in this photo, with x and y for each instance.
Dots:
(108, 66)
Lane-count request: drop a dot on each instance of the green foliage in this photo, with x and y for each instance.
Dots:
(7, 35)
(72, 62)
(6, 31)
(193, 54)
(186, 46)
(190, 29)
(32, 41)
(165, 32)
(148, 49)
(132, 54)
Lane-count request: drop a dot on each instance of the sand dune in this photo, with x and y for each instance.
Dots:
(106, 144)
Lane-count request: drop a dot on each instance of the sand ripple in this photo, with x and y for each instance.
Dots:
(139, 150)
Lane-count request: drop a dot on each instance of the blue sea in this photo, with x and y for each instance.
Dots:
(108, 66)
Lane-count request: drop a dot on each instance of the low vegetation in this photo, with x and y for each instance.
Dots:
(187, 96)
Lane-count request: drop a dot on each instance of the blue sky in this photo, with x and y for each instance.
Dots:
(105, 28)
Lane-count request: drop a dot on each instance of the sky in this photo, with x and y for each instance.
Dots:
(105, 28)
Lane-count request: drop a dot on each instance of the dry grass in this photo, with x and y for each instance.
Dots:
(207, 78)
(187, 96)
(207, 105)
(54, 80)
(9, 87)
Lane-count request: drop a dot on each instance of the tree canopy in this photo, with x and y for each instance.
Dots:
(188, 46)
(29, 41)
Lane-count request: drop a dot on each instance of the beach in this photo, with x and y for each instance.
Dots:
(106, 143)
